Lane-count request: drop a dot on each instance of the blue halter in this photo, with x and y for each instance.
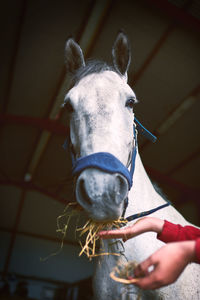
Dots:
(106, 161)
(109, 163)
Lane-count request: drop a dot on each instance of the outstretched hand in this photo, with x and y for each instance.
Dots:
(141, 226)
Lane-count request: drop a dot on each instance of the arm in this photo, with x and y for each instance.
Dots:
(169, 261)
(166, 232)
(174, 233)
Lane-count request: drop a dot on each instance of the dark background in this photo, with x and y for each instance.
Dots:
(34, 189)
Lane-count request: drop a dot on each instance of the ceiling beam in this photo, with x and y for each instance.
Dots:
(14, 56)
(158, 176)
(55, 127)
(51, 125)
(187, 194)
(40, 236)
(175, 114)
(158, 45)
(180, 15)
(33, 187)
(179, 186)
(178, 111)
(161, 41)
(185, 162)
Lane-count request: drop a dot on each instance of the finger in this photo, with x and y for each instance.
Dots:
(139, 271)
(148, 282)
(140, 226)
(153, 280)
(109, 234)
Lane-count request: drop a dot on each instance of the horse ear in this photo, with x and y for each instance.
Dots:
(121, 54)
(74, 58)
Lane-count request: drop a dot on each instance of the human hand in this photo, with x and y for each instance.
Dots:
(168, 263)
(142, 225)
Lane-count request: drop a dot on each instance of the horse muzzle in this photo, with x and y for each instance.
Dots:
(101, 194)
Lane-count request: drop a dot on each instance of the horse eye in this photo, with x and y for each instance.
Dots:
(130, 102)
(68, 106)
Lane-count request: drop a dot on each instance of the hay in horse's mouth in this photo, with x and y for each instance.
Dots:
(90, 230)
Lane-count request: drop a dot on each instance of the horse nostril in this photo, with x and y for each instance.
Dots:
(83, 192)
(121, 187)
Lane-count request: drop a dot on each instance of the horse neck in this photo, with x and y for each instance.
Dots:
(142, 195)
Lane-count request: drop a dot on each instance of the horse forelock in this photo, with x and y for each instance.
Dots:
(91, 67)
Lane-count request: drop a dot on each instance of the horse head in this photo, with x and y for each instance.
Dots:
(100, 107)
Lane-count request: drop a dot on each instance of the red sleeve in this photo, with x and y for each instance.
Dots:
(174, 233)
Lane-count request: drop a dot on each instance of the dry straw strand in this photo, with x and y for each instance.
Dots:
(63, 230)
(92, 229)
(123, 271)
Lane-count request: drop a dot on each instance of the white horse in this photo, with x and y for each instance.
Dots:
(100, 105)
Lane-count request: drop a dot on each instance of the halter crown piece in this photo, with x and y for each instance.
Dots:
(107, 162)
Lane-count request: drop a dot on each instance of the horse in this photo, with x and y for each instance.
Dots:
(103, 145)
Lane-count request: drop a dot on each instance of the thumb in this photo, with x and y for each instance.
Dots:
(142, 269)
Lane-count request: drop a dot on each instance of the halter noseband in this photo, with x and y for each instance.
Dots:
(107, 162)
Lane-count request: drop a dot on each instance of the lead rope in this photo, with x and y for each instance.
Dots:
(147, 212)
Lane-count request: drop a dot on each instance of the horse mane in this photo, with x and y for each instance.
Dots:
(92, 66)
